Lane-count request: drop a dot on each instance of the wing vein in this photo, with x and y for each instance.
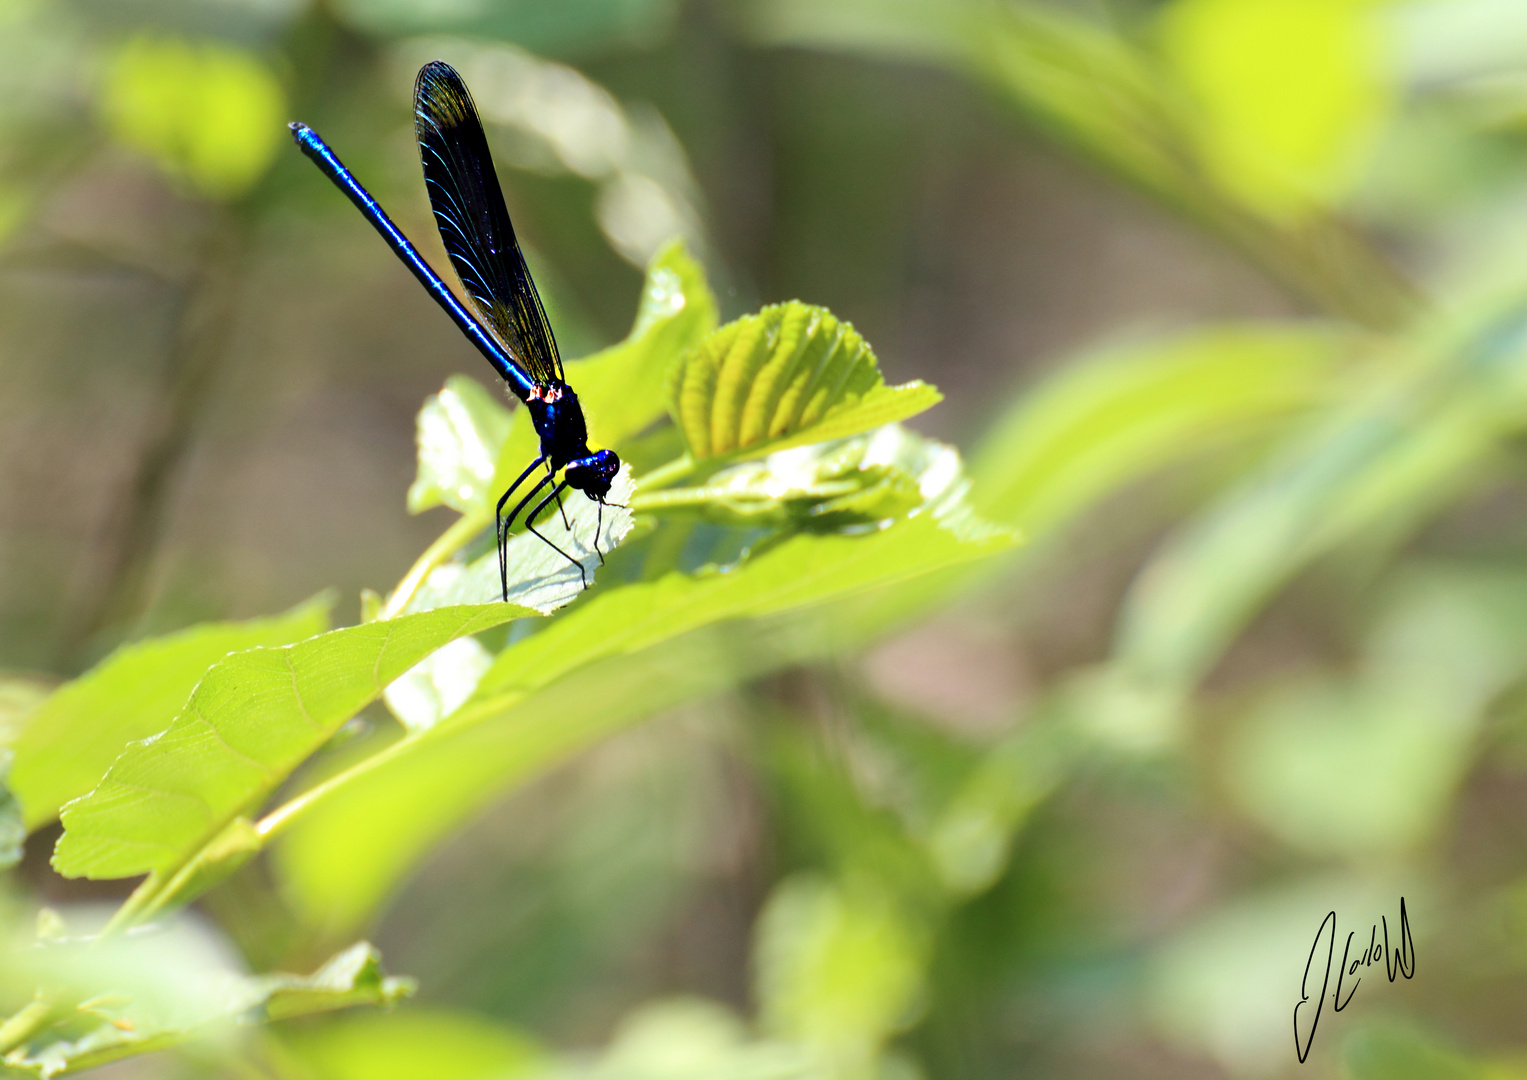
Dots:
(474, 222)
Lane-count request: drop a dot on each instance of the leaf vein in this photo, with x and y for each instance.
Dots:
(297, 694)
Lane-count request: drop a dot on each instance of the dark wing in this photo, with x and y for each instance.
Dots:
(469, 208)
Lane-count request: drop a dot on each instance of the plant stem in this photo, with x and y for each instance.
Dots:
(666, 475)
(24, 1024)
(446, 545)
(127, 915)
(275, 822)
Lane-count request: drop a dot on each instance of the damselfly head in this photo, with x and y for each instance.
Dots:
(593, 474)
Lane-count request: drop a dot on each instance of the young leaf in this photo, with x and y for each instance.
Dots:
(790, 375)
(253, 718)
(70, 741)
(461, 433)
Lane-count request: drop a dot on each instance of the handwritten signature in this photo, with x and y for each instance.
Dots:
(1401, 961)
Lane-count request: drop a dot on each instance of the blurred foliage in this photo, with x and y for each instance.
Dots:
(828, 774)
(208, 113)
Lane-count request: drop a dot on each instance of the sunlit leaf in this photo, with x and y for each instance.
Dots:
(789, 375)
(210, 113)
(1290, 94)
(540, 576)
(252, 719)
(439, 684)
(867, 478)
(470, 451)
(413, 1043)
(461, 432)
(73, 737)
(597, 668)
(623, 388)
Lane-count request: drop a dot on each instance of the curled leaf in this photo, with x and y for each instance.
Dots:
(790, 375)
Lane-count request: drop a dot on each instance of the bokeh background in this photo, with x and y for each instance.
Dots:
(1228, 299)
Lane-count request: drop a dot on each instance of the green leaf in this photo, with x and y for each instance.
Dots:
(354, 977)
(212, 114)
(71, 740)
(251, 721)
(1372, 467)
(461, 433)
(19, 698)
(790, 375)
(1098, 91)
(149, 991)
(414, 1043)
(1290, 94)
(596, 669)
(864, 479)
(540, 577)
(439, 684)
(623, 388)
(1111, 418)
